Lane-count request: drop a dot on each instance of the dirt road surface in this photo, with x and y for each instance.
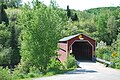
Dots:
(89, 71)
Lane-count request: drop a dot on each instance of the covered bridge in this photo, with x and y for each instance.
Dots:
(80, 45)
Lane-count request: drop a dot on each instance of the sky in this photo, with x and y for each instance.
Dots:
(82, 4)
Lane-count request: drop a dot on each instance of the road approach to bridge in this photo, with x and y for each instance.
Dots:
(88, 71)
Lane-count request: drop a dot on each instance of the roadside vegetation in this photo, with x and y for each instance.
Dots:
(28, 44)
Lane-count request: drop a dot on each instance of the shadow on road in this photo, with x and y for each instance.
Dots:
(81, 71)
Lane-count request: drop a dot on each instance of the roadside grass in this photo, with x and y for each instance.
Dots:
(54, 68)
(56, 72)
(49, 73)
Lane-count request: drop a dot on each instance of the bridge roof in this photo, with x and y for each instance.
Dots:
(69, 37)
(73, 36)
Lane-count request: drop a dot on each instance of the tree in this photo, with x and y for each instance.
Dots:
(53, 4)
(9, 53)
(68, 12)
(4, 45)
(118, 43)
(102, 27)
(3, 15)
(42, 27)
(112, 29)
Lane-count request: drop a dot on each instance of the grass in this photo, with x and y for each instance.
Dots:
(56, 72)
(51, 73)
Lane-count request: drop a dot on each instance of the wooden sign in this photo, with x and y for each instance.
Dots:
(80, 37)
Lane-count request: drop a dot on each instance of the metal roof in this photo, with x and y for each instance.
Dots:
(69, 37)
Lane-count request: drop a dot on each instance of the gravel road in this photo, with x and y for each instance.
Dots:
(89, 71)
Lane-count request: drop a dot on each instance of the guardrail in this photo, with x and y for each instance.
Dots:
(104, 61)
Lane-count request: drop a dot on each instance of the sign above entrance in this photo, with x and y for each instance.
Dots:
(80, 37)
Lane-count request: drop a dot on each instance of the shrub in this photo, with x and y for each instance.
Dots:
(21, 76)
(50, 73)
(104, 53)
(5, 74)
(32, 75)
(18, 73)
(71, 62)
(116, 61)
(54, 65)
(34, 72)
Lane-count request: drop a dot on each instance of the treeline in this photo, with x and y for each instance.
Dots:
(103, 24)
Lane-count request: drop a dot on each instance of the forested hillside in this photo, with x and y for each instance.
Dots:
(103, 24)
(29, 36)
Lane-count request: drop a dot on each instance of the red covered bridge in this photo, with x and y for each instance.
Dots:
(80, 45)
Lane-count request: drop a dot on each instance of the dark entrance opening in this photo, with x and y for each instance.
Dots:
(82, 50)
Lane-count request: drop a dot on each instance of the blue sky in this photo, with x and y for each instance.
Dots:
(82, 4)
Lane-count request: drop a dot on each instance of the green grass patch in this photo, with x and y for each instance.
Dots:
(56, 72)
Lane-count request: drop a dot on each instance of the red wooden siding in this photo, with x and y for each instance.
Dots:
(62, 46)
(62, 55)
(62, 51)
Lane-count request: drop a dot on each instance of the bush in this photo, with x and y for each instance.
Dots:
(34, 72)
(32, 75)
(104, 53)
(116, 61)
(21, 76)
(50, 73)
(18, 73)
(5, 74)
(54, 65)
(71, 62)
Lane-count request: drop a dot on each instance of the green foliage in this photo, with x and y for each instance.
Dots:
(116, 60)
(42, 28)
(5, 74)
(55, 65)
(118, 43)
(9, 52)
(32, 75)
(70, 62)
(112, 29)
(101, 27)
(103, 51)
(5, 56)
(34, 72)
(16, 75)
